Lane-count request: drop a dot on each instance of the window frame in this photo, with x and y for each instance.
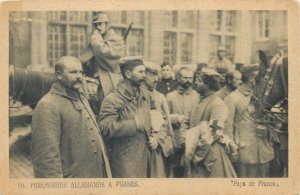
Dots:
(264, 13)
(223, 32)
(68, 24)
(178, 30)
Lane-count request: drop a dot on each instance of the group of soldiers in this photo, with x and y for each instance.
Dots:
(131, 118)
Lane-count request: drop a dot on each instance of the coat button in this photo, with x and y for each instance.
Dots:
(93, 140)
(88, 118)
(91, 128)
(95, 152)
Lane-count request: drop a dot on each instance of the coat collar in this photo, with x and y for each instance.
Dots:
(126, 90)
(59, 89)
(111, 35)
(245, 90)
(209, 97)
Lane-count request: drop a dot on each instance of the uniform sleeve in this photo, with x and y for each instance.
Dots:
(219, 112)
(166, 110)
(46, 130)
(173, 116)
(165, 135)
(111, 125)
(229, 122)
(185, 125)
(112, 48)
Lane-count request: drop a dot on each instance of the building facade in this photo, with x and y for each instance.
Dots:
(176, 37)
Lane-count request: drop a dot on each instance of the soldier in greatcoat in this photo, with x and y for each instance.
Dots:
(255, 151)
(101, 61)
(160, 116)
(126, 123)
(208, 154)
(66, 140)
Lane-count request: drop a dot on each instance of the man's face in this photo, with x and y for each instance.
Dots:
(186, 78)
(166, 72)
(101, 27)
(200, 86)
(221, 54)
(151, 80)
(71, 77)
(236, 80)
(137, 75)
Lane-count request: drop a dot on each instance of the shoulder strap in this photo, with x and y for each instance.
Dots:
(126, 102)
(284, 80)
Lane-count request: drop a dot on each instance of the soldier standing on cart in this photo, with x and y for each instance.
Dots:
(101, 61)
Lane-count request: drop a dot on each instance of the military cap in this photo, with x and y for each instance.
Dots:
(248, 70)
(100, 17)
(130, 62)
(210, 72)
(152, 67)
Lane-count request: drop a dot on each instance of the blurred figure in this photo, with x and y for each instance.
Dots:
(167, 83)
(221, 64)
(180, 104)
(232, 81)
(164, 133)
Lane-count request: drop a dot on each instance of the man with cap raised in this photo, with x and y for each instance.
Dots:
(221, 64)
(160, 112)
(125, 123)
(255, 152)
(210, 112)
(66, 140)
(101, 61)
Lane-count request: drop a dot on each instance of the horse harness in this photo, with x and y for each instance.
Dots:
(272, 117)
(270, 77)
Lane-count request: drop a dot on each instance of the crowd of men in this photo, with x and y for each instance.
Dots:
(146, 121)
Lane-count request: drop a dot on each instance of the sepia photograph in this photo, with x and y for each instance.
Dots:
(218, 81)
(108, 98)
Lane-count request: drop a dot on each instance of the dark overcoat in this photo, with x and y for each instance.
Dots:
(66, 141)
(126, 124)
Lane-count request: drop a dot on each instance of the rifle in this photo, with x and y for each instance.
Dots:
(127, 31)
